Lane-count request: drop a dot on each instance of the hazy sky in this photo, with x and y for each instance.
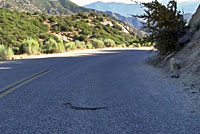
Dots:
(84, 2)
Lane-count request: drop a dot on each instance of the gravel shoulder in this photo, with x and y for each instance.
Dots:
(190, 90)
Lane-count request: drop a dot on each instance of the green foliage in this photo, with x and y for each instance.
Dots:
(82, 38)
(16, 26)
(5, 53)
(118, 27)
(131, 46)
(83, 15)
(98, 43)
(109, 43)
(165, 25)
(89, 46)
(70, 46)
(80, 44)
(52, 19)
(47, 36)
(85, 32)
(51, 46)
(30, 46)
(100, 19)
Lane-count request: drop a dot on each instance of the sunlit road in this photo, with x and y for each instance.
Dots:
(139, 99)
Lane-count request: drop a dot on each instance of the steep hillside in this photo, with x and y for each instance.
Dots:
(81, 30)
(189, 56)
(45, 6)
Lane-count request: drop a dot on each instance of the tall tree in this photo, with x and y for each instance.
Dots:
(165, 24)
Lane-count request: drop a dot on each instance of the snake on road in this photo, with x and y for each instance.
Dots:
(83, 108)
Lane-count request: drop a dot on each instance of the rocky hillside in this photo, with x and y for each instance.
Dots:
(57, 7)
(45, 6)
(81, 29)
(189, 56)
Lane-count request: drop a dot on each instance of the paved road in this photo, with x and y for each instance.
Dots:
(139, 100)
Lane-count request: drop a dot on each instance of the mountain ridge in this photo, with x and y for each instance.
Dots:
(120, 8)
(43, 6)
(135, 9)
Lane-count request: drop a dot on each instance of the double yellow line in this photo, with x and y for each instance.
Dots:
(12, 87)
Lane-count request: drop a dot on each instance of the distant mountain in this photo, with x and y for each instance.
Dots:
(128, 9)
(132, 21)
(45, 6)
(120, 8)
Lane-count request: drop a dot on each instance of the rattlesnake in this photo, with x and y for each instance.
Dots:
(83, 108)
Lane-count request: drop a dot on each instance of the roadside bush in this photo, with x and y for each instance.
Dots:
(109, 43)
(70, 46)
(80, 44)
(51, 46)
(89, 46)
(124, 45)
(131, 46)
(97, 43)
(30, 46)
(5, 53)
(138, 45)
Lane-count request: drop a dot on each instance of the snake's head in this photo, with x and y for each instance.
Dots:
(68, 104)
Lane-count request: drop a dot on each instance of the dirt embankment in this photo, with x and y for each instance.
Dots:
(188, 58)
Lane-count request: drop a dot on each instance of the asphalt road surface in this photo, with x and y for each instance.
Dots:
(138, 99)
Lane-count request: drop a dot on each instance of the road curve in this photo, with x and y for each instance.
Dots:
(138, 99)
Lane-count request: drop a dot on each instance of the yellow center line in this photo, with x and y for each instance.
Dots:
(12, 87)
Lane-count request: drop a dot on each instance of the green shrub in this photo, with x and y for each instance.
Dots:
(56, 28)
(30, 46)
(89, 46)
(80, 44)
(97, 43)
(99, 18)
(5, 53)
(82, 38)
(109, 43)
(51, 46)
(118, 27)
(131, 46)
(70, 46)
(52, 19)
(124, 45)
(137, 45)
(85, 32)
